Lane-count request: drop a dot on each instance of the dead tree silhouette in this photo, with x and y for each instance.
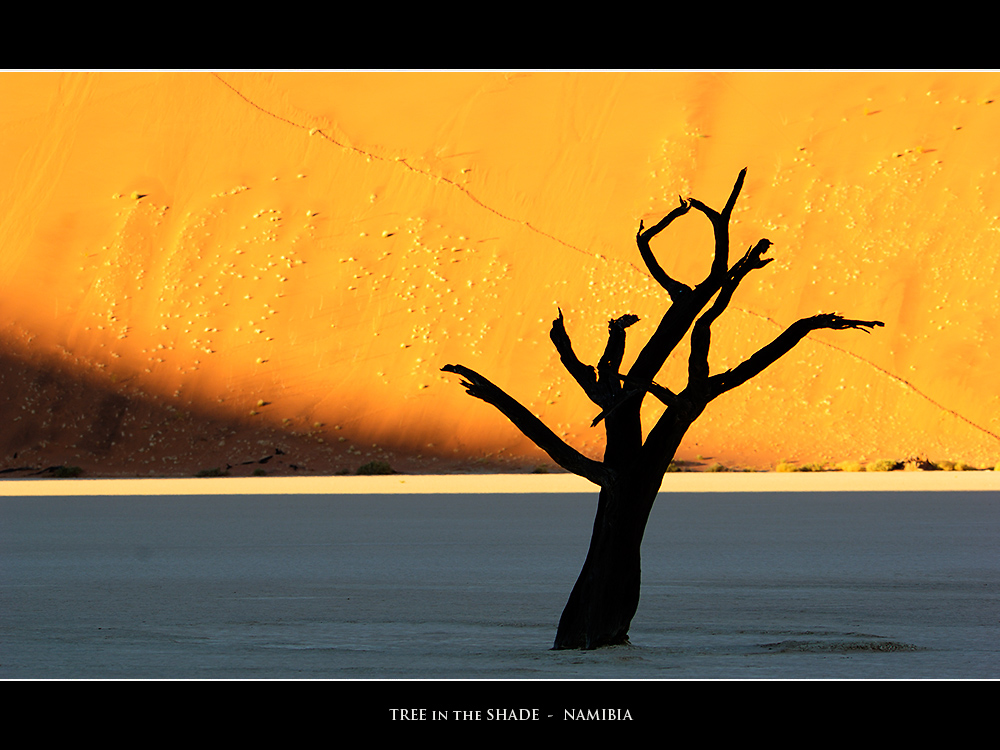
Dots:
(606, 595)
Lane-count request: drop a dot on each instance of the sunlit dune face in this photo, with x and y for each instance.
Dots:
(291, 258)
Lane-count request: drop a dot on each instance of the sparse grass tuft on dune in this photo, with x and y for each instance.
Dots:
(955, 466)
(786, 466)
(883, 464)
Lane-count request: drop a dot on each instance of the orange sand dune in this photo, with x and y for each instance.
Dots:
(206, 270)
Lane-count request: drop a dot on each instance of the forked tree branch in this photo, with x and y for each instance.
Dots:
(679, 316)
(533, 428)
(673, 287)
(602, 386)
(720, 225)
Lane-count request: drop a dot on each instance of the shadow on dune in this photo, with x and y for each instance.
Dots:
(62, 416)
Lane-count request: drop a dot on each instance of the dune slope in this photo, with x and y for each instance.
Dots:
(205, 269)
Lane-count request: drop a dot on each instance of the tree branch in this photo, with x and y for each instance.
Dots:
(533, 428)
(605, 413)
(701, 336)
(680, 316)
(727, 212)
(614, 352)
(665, 395)
(719, 384)
(604, 387)
(674, 288)
(583, 374)
(720, 225)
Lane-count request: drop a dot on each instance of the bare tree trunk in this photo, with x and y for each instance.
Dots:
(606, 595)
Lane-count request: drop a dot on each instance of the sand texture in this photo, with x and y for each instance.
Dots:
(266, 271)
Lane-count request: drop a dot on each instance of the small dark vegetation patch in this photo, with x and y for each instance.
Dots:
(375, 467)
